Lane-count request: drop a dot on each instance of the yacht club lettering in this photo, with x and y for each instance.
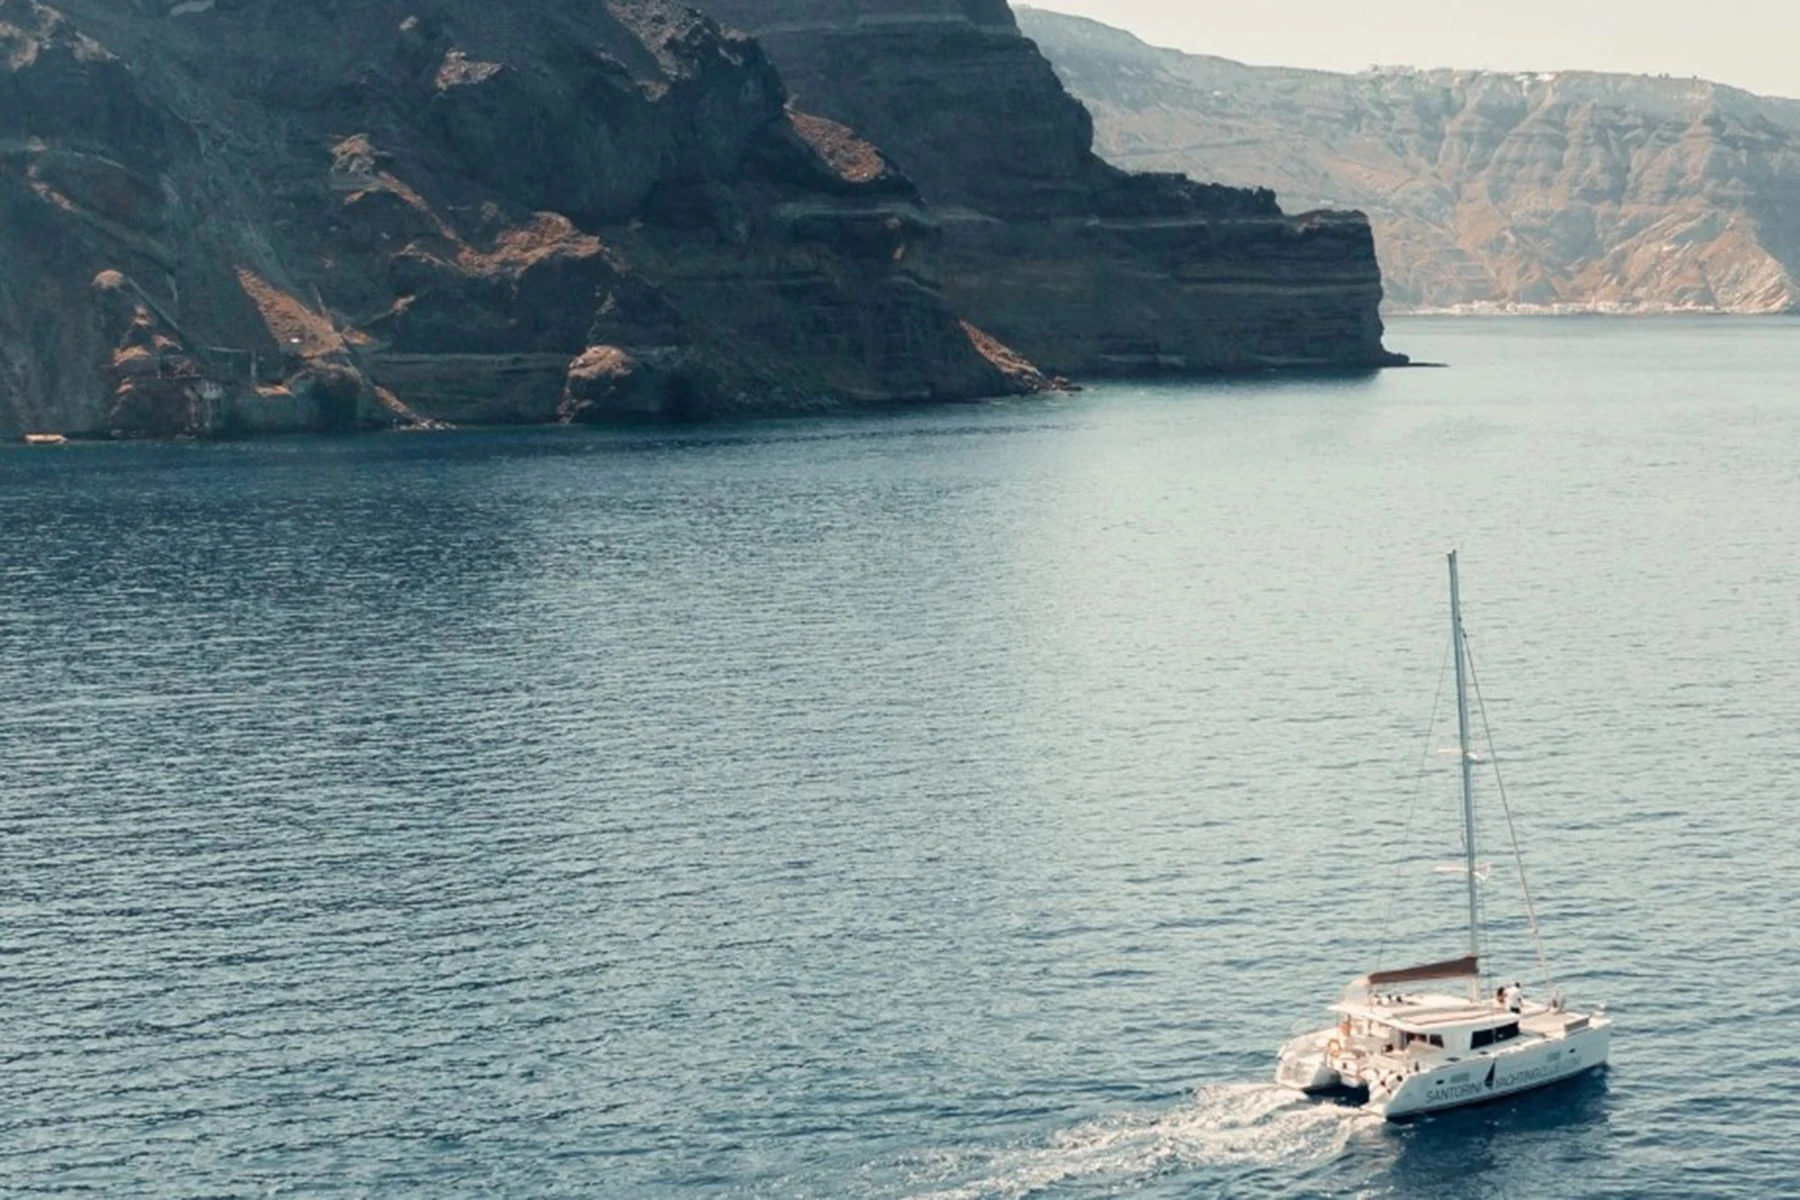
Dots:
(1517, 1079)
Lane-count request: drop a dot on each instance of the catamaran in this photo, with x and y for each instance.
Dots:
(1413, 1052)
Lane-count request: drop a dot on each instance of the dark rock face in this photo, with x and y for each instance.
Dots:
(971, 111)
(1080, 266)
(1566, 191)
(236, 216)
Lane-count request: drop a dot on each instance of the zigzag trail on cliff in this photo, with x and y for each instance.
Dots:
(353, 215)
(253, 218)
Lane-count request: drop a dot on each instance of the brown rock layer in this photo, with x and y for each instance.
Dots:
(1078, 265)
(238, 216)
(1568, 191)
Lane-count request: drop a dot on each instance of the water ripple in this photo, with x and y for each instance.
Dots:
(957, 803)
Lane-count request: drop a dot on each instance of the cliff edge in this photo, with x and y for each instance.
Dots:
(1082, 267)
(1568, 191)
(238, 216)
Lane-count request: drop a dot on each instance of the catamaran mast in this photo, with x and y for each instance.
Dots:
(1468, 766)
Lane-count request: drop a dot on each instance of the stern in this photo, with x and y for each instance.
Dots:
(1304, 1065)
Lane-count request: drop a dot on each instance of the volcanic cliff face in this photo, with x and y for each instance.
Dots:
(237, 215)
(1082, 267)
(1563, 192)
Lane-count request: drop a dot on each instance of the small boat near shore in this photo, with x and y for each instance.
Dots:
(45, 439)
(1409, 1052)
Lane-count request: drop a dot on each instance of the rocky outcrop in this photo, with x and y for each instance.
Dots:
(225, 216)
(1570, 191)
(1080, 266)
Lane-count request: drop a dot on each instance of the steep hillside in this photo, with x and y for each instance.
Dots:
(226, 216)
(1080, 266)
(1567, 191)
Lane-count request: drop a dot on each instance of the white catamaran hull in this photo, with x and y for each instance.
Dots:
(1413, 1052)
(1488, 1077)
(1305, 1064)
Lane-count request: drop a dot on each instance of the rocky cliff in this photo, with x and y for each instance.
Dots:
(1082, 267)
(225, 216)
(1562, 192)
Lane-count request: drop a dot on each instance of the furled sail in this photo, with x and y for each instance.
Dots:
(1455, 968)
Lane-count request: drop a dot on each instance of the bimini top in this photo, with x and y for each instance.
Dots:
(1456, 968)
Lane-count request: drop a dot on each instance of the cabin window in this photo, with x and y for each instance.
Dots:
(1488, 1037)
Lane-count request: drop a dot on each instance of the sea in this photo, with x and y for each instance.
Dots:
(960, 802)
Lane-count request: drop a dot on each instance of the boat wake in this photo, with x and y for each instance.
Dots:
(1241, 1124)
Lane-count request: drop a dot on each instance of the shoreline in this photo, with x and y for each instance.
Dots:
(44, 439)
(1482, 312)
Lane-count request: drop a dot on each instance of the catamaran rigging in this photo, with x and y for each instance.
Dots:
(1417, 1052)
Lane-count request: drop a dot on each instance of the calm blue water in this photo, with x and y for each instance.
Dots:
(955, 804)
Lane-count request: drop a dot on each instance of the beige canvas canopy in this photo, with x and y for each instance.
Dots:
(1455, 968)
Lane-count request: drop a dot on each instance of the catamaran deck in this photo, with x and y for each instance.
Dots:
(1425, 1014)
(1422, 1014)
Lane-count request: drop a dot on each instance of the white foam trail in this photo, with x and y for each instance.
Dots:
(1225, 1124)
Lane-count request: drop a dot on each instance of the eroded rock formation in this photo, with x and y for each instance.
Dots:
(238, 215)
(1080, 266)
(1571, 191)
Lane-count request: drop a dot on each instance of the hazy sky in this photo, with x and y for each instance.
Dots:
(1752, 44)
